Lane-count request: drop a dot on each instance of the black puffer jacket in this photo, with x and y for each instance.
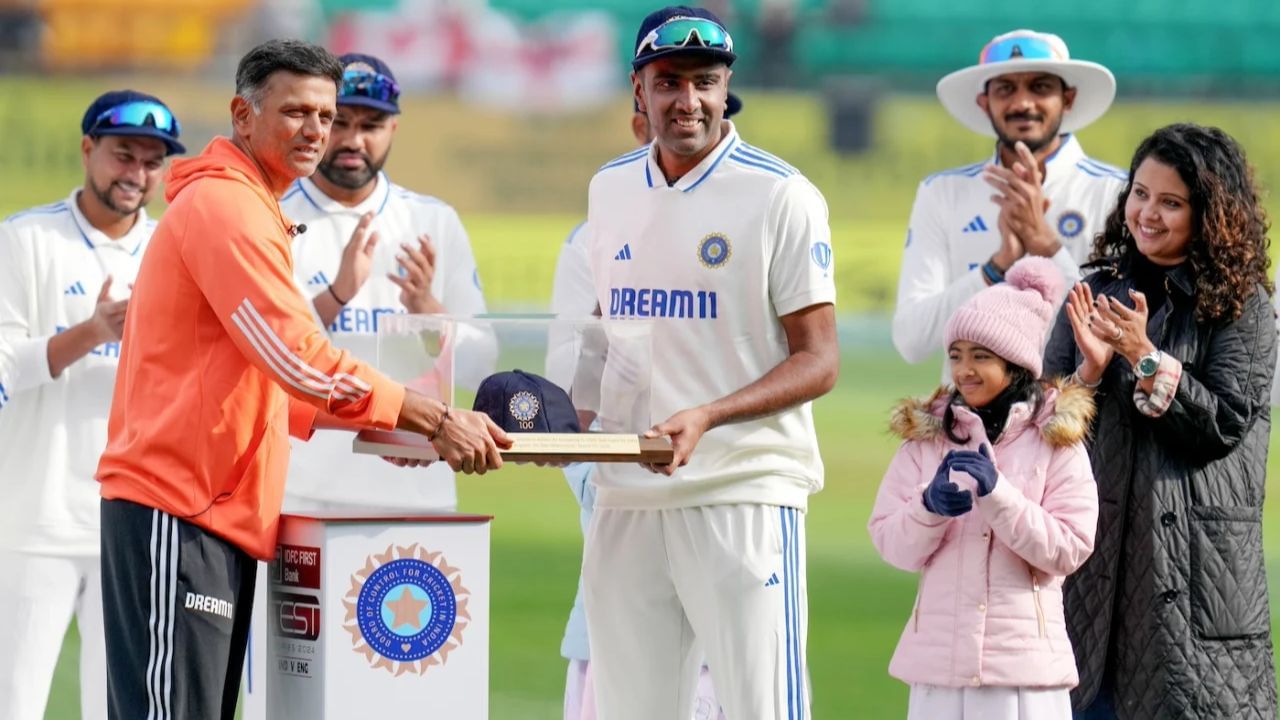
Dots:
(1171, 610)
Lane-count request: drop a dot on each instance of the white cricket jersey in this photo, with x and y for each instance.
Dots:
(715, 259)
(52, 431)
(953, 232)
(324, 469)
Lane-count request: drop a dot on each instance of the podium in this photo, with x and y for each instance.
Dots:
(382, 616)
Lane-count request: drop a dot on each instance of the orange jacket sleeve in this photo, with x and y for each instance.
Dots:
(243, 267)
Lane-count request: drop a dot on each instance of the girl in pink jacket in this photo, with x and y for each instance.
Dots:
(991, 499)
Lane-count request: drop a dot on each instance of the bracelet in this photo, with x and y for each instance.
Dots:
(439, 426)
(993, 275)
(339, 300)
(1075, 378)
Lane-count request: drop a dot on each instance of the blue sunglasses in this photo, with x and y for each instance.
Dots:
(138, 114)
(372, 85)
(1022, 47)
(680, 32)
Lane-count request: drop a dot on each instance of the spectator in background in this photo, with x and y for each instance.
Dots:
(66, 271)
(1037, 195)
(1176, 333)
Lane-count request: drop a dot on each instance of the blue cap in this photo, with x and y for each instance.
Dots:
(158, 122)
(523, 402)
(369, 82)
(657, 18)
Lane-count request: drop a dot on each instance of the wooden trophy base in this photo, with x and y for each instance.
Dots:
(529, 447)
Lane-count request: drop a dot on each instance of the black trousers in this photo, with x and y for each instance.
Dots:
(176, 603)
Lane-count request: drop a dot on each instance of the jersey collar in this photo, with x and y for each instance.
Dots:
(375, 203)
(95, 238)
(702, 171)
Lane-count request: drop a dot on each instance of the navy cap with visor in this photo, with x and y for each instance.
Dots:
(128, 112)
(678, 29)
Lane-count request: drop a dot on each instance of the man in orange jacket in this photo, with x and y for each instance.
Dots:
(221, 360)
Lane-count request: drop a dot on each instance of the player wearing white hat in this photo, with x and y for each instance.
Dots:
(66, 270)
(728, 249)
(1039, 194)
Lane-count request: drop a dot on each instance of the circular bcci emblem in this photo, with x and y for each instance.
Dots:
(524, 408)
(403, 610)
(714, 250)
(1070, 224)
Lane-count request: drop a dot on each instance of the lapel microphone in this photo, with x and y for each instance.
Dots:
(297, 230)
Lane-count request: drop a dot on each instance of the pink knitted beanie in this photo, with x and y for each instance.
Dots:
(1012, 319)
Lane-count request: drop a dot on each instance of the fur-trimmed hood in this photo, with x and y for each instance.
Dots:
(1063, 421)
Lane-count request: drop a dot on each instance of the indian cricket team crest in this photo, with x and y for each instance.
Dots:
(1070, 224)
(524, 408)
(406, 610)
(714, 250)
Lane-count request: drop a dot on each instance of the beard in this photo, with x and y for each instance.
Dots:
(351, 178)
(104, 197)
(1033, 144)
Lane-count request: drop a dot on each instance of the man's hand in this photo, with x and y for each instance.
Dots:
(469, 441)
(685, 428)
(357, 260)
(419, 265)
(108, 315)
(1022, 202)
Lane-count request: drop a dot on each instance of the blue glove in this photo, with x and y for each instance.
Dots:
(979, 466)
(943, 497)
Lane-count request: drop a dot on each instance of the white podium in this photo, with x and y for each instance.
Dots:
(379, 617)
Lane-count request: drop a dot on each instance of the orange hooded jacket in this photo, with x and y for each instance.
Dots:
(221, 360)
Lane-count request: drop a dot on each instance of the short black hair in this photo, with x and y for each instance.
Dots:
(295, 56)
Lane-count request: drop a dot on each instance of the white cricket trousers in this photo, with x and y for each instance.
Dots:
(931, 702)
(39, 595)
(580, 694)
(664, 588)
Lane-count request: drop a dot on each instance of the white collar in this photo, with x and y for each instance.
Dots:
(131, 242)
(375, 203)
(653, 172)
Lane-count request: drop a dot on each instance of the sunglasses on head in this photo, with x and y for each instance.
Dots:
(138, 114)
(1024, 47)
(682, 31)
(372, 85)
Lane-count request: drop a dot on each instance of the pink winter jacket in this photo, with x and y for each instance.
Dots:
(989, 606)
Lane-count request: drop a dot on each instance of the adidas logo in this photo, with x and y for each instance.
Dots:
(75, 289)
(318, 279)
(975, 225)
(773, 580)
(624, 253)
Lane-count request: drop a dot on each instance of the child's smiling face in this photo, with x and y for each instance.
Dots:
(979, 374)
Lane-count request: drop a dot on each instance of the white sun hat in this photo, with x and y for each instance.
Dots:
(1028, 51)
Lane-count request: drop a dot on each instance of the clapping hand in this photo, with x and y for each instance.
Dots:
(977, 465)
(943, 497)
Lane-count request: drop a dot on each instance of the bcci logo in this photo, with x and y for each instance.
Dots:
(403, 610)
(714, 250)
(1070, 224)
(524, 408)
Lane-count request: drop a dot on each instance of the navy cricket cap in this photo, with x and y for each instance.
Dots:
(712, 40)
(129, 112)
(518, 401)
(369, 82)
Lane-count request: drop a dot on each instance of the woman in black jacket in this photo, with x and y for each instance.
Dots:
(1169, 617)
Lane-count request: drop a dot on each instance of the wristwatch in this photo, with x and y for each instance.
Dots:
(1148, 364)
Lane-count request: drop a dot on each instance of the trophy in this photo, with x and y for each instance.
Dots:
(565, 390)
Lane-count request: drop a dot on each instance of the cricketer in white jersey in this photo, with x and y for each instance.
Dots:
(727, 249)
(64, 285)
(970, 223)
(324, 471)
